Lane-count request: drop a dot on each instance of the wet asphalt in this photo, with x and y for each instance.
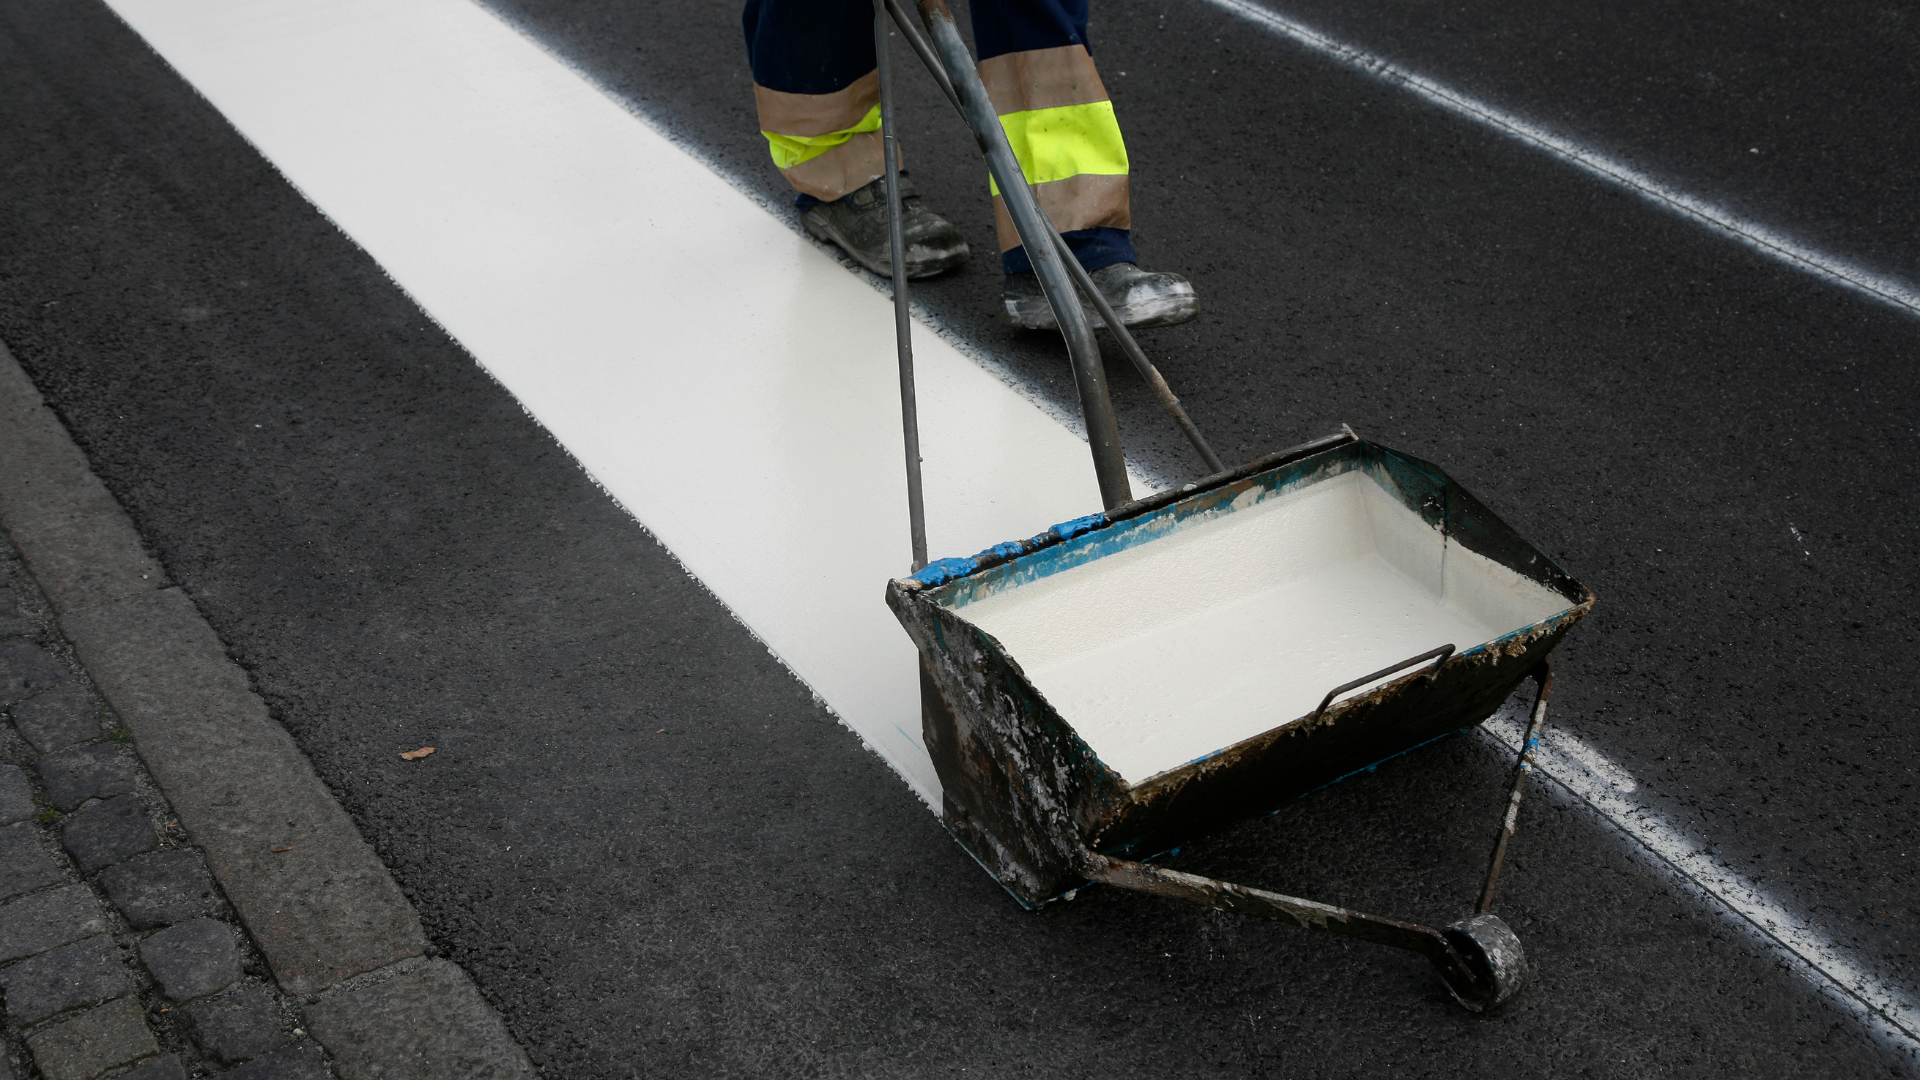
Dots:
(658, 856)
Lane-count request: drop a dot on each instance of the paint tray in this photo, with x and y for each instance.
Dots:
(1123, 683)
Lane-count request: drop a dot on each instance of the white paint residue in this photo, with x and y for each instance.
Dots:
(1228, 627)
(1599, 765)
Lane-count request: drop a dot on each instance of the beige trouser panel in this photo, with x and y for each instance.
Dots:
(850, 163)
(1058, 78)
(1087, 201)
(1042, 79)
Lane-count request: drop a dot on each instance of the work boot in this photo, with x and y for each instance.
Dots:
(1140, 299)
(858, 224)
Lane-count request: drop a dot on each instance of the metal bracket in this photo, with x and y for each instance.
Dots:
(1478, 958)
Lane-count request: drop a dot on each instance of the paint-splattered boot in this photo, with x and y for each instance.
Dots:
(857, 223)
(1141, 299)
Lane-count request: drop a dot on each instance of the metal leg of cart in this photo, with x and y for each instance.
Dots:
(1543, 682)
(1478, 958)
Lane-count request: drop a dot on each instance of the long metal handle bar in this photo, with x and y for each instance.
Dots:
(902, 313)
(1168, 399)
(1089, 376)
(1543, 677)
(910, 29)
(1307, 914)
(1443, 653)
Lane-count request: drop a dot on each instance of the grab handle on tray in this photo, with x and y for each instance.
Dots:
(1442, 654)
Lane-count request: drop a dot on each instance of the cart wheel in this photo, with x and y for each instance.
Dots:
(1493, 957)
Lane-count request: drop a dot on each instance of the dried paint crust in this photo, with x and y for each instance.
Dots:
(1027, 797)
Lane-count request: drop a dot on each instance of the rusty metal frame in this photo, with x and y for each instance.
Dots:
(1041, 813)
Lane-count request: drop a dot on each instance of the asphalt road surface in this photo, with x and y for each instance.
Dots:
(1719, 444)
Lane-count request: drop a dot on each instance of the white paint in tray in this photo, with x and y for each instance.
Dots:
(1241, 621)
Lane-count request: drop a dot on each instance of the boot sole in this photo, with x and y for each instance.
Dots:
(1165, 310)
(930, 265)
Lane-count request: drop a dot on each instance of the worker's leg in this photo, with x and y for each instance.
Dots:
(1038, 71)
(819, 101)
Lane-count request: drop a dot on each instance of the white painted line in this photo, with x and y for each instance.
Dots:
(1888, 1009)
(729, 384)
(1598, 765)
(1762, 238)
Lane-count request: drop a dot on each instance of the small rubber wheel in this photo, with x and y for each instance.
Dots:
(1496, 963)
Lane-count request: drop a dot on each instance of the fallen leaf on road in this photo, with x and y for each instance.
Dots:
(416, 755)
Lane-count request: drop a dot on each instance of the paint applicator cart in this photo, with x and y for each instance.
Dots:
(1100, 693)
(1118, 685)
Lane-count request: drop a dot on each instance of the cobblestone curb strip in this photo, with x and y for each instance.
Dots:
(117, 948)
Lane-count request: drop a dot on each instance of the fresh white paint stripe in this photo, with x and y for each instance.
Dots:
(1763, 238)
(1590, 776)
(728, 383)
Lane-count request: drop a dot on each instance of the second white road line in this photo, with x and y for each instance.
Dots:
(1765, 239)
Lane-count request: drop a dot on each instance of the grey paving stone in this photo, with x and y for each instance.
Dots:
(235, 1027)
(161, 889)
(321, 910)
(25, 669)
(164, 1067)
(39, 922)
(107, 832)
(24, 864)
(16, 795)
(301, 1061)
(57, 719)
(78, 773)
(428, 1024)
(84, 973)
(84, 1046)
(192, 960)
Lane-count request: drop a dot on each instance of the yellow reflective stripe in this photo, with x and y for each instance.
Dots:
(791, 150)
(1071, 140)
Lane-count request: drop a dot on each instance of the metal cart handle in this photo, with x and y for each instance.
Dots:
(1443, 653)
